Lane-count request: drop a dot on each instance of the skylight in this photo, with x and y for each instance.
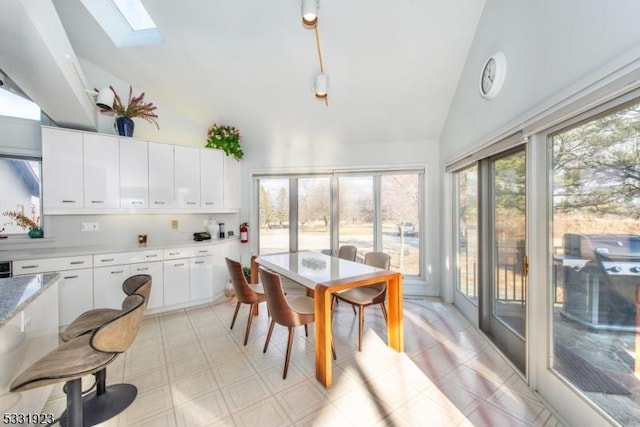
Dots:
(126, 22)
(135, 14)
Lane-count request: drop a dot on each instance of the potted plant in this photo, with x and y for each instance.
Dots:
(25, 222)
(226, 138)
(135, 107)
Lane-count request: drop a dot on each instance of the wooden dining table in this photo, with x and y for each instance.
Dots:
(326, 275)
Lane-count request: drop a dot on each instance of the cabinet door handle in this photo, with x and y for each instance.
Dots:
(174, 253)
(68, 201)
(199, 262)
(24, 267)
(191, 203)
(97, 201)
(178, 265)
(117, 272)
(76, 262)
(70, 277)
(142, 269)
(209, 203)
(137, 202)
(152, 256)
(158, 202)
(203, 251)
(106, 260)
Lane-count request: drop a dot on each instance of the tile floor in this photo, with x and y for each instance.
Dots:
(191, 370)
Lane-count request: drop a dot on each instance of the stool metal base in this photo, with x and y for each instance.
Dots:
(99, 407)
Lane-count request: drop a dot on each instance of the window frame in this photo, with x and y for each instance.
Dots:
(334, 176)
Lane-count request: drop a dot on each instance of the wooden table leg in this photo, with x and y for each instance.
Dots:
(395, 325)
(322, 303)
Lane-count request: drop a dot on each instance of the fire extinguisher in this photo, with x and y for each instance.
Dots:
(244, 232)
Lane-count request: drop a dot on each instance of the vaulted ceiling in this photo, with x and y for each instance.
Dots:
(393, 65)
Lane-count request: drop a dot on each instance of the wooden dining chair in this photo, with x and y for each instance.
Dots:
(347, 252)
(246, 293)
(289, 312)
(368, 295)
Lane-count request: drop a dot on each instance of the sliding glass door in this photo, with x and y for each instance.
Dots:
(504, 316)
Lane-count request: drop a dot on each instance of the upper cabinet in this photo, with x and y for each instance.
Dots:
(211, 178)
(62, 183)
(161, 193)
(232, 199)
(101, 171)
(87, 172)
(134, 174)
(187, 177)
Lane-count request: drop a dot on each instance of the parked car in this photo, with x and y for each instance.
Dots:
(406, 228)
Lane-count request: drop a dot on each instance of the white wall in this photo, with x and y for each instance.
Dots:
(306, 153)
(174, 127)
(553, 49)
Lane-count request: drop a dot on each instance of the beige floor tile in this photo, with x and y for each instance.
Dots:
(162, 419)
(150, 379)
(206, 410)
(233, 371)
(192, 387)
(187, 367)
(273, 377)
(147, 405)
(301, 399)
(328, 415)
(487, 415)
(265, 413)
(245, 393)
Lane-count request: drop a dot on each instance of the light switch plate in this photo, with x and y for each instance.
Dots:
(90, 226)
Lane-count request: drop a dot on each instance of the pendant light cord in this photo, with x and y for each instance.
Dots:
(326, 101)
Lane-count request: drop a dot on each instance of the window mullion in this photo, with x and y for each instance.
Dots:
(293, 214)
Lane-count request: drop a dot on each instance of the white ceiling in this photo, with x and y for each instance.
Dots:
(393, 65)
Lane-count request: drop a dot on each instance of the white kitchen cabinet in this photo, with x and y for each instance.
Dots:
(176, 279)
(187, 177)
(134, 174)
(211, 178)
(75, 291)
(62, 169)
(155, 270)
(101, 171)
(107, 285)
(75, 294)
(232, 199)
(161, 176)
(220, 270)
(201, 278)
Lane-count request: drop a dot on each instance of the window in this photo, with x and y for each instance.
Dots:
(595, 261)
(377, 211)
(273, 215)
(466, 234)
(21, 191)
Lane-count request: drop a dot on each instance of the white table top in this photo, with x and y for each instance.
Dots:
(310, 268)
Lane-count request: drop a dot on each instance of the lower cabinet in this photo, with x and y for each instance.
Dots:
(107, 285)
(75, 291)
(75, 294)
(192, 274)
(176, 279)
(153, 269)
(201, 278)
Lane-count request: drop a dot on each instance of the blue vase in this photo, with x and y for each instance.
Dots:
(124, 126)
(36, 233)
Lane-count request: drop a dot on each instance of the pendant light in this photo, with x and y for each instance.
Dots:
(310, 12)
(322, 86)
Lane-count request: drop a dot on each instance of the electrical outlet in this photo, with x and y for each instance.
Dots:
(90, 226)
(174, 224)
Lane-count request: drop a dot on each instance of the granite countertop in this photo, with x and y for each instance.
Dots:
(17, 292)
(20, 254)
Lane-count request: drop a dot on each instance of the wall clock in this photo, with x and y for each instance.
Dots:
(492, 75)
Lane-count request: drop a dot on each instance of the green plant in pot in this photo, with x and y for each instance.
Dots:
(247, 273)
(226, 138)
(25, 222)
